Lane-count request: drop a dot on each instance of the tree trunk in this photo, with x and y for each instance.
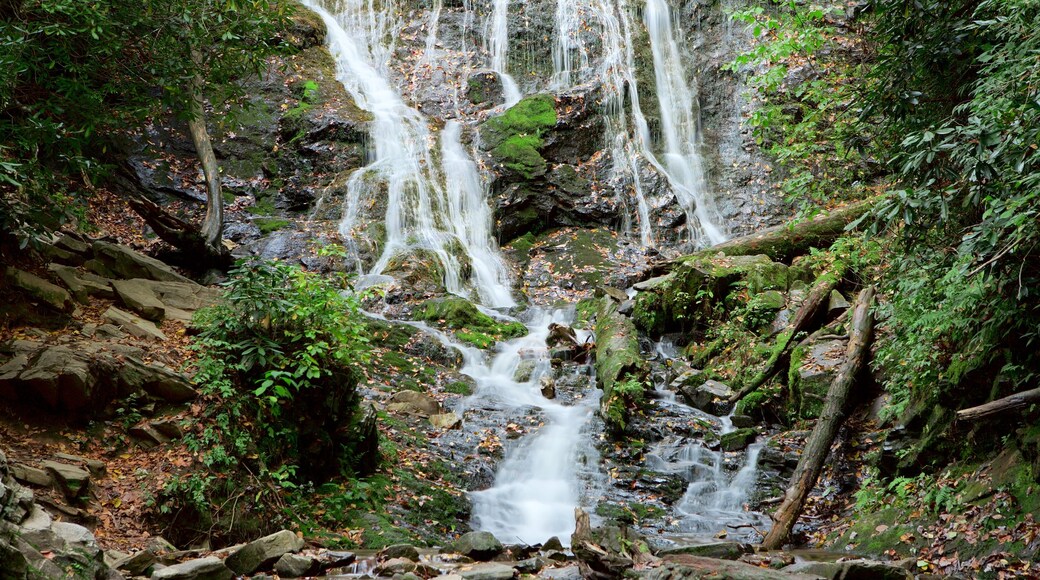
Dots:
(1009, 403)
(784, 242)
(821, 291)
(213, 224)
(819, 444)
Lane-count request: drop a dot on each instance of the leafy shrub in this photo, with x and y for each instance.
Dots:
(277, 365)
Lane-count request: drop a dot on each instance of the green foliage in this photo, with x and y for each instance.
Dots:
(626, 396)
(954, 91)
(79, 74)
(806, 100)
(276, 362)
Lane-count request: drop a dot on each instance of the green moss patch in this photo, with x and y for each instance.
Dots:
(470, 324)
(515, 137)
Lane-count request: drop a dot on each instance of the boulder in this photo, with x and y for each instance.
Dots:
(136, 564)
(295, 566)
(852, 570)
(484, 87)
(395, 566)
(209, 568)
(31, 475)
(61, 379)
(139, 297)
(488, 571)
(406, 551)
(134, 325)
(54, 296)
(263, 552)
(136, 375)
(687, 566)
(737, 440)
(127, 263)
(481, 546)
(548, 387)
(412, 402)
(446, 421)
(710, 396)
(74, 481)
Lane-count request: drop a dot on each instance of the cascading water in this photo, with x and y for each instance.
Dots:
(627, 130)
(420, 195)
(498, 48)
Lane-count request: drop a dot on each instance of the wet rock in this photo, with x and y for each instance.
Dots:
(415, 403)
(531, 565)
(139, 298)
(395, 566)
(853, 570)
(685, 566)
(488, 571)
(737, 440)
(478, 545)
(127, 263)
(485, 88)
(711, 396)
(742, 421)
(295, 566)
(209, 568)
(54, 296)
(548, 387)
(446, 421)
(524, 370)
(263, 552)
(406, 551)
(134, 325)
(719, 550)
(551, 544)
(336, 559)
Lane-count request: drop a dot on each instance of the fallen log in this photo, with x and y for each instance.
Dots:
(1009, 403)
(819, 444)
(784, 242)
(816, 299)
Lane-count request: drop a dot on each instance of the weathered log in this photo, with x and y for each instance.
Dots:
(819, 444)
(213, 223)
(1009, 403)
(784, 242)
(821, 290)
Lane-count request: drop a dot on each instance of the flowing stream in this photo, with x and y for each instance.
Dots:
(436, 204)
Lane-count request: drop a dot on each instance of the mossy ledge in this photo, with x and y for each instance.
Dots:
(470, 325)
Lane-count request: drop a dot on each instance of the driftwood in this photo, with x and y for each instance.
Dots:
(819, 444)
(784, 242)
(1009, 403)
(816, 300)
(179, 233)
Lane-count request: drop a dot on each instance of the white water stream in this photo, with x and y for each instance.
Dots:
(628, 133)
(439, 209)
(437, 203)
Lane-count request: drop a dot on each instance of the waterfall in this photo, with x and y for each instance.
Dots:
(628, 132)
(439, 209)
(498, 47)
(538, 484)
(676, 101)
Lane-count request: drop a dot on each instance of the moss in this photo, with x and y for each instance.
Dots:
(515, 136)
(631, 513)
(472, 325)
(459, 388)
(262, 207)
(268, 225)
(382, 333)
(585, 312)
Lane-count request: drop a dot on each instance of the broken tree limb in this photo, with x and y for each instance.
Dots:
(1009, 403)
(816, 300)
(784, 242)
(819, 444)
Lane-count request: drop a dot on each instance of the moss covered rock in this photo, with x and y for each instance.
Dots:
(470, 325)
(515, 136)
(620, 370)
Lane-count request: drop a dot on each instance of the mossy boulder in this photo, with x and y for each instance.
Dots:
(485, 88)
(418, 271)
(470, 325)
(620, 369)
(737, 440)
(514, 137)
(686, 298)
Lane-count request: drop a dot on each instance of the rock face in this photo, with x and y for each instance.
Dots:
(81, 376)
